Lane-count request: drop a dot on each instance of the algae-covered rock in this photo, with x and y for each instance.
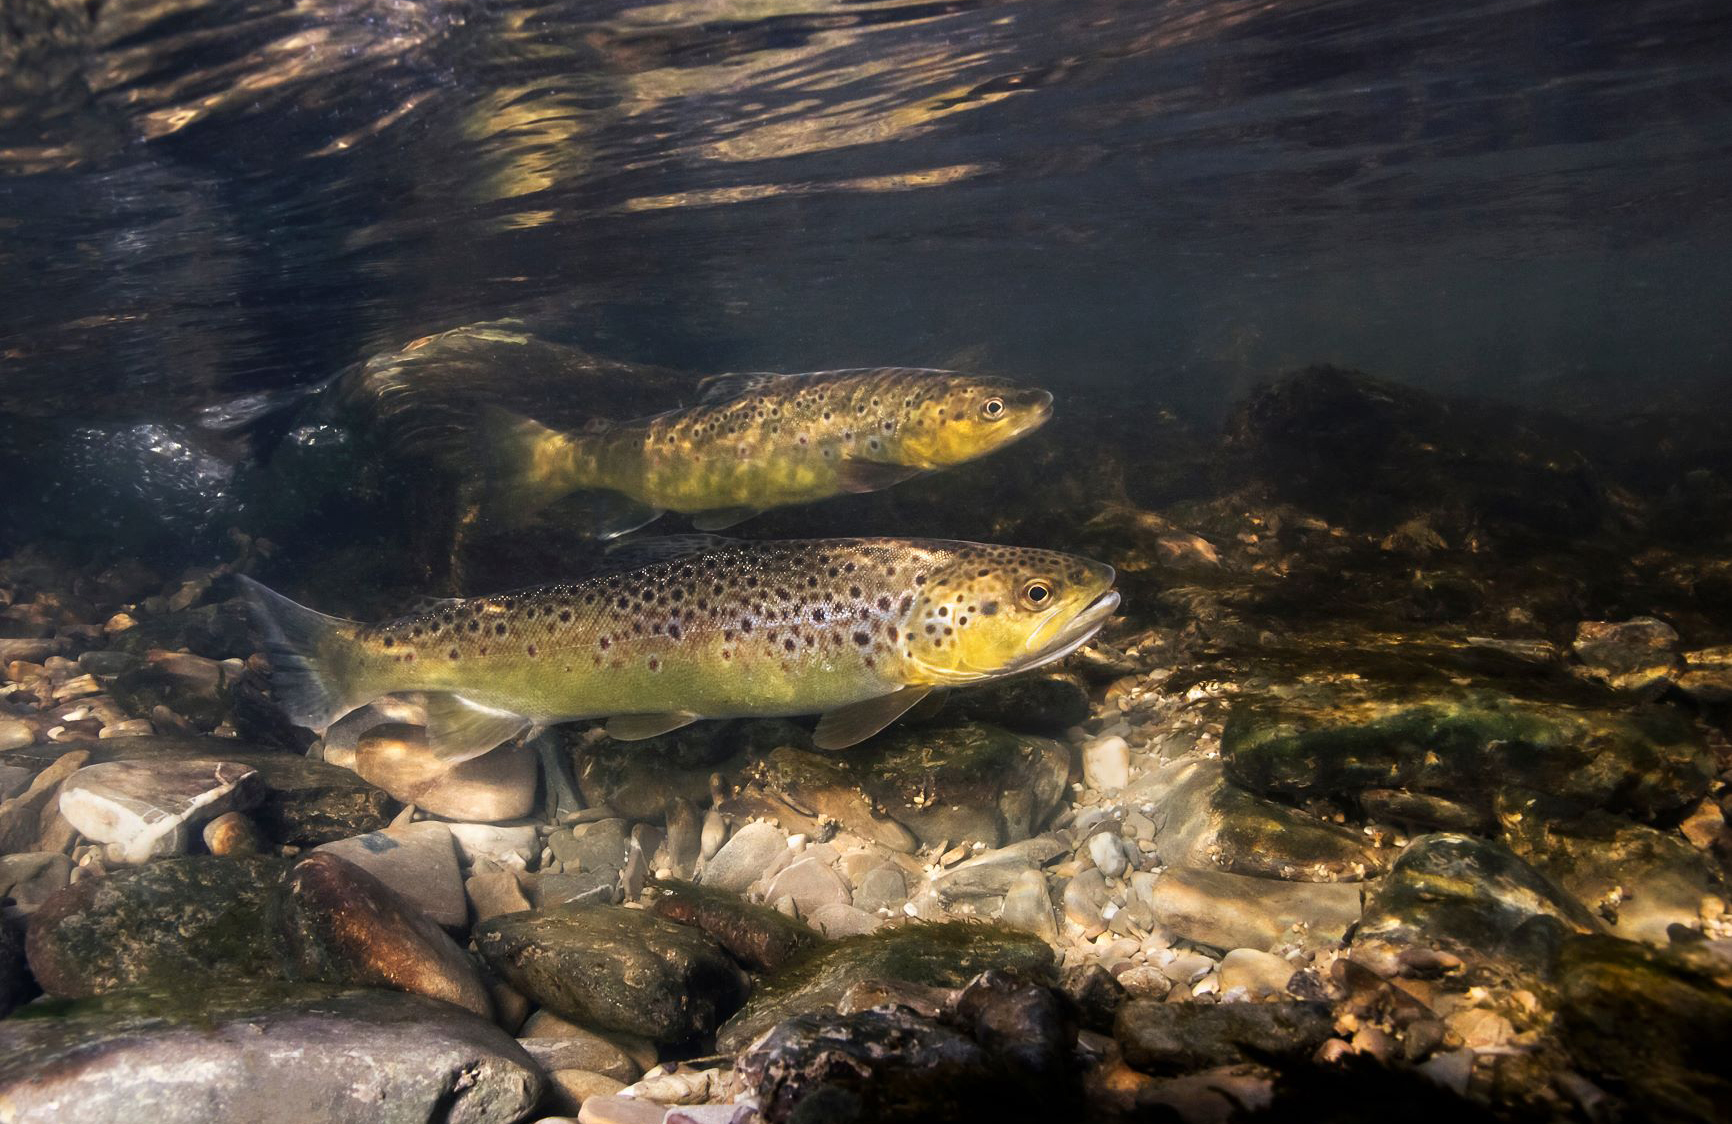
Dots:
(935, 955)
(615, 968)
(887, 1064)
(1654, 1026)
(1204, 822)
(1171, 1038)
(804, 791)
(1467, 897)
(1639, 880)
(1455, 742)
(972, 782)
(273, 1054)
(173, 923)
(756, 936)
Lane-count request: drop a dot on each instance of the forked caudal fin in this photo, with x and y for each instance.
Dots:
(309, 678)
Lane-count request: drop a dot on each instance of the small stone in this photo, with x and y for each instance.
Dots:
(757, 937)
(882, 887)
(142, 808)
(1259, 973)
(810, 884)
(712, 1114)
(635, 872)
(1106, 764)
(569, 1088)
(1108, 853)
(744, 858)
(417, 860)
(837, 920)
(595, 887)
(620, 1110)
(615, 968)
(596, 846)
(1704, 826)
(1188, 967)
(1634, 655)
(683, 844)
(495, 894)
(347, 927)
(131, 728)
(509, 845)
(15, 733)
(1028, 906)
(498, 785)
(713, 835)
(576, 1047)
(1145, 981)
(1085, 897)
(1238, 911)
(232, 833)
(30, 877)
(1480, 1029)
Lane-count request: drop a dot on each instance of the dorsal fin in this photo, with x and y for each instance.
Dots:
(725, 388)
(662, 548)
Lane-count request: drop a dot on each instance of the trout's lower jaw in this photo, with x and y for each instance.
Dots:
(1079, 630)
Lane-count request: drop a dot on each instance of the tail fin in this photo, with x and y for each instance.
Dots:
(308, 677)
(527, 466)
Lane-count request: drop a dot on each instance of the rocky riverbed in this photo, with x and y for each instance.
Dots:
(1399, 785)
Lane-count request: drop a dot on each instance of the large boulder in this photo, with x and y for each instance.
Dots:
(271, 1054)
(615, 968)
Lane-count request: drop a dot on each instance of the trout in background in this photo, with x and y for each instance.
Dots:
(756, 442)
(858, 630)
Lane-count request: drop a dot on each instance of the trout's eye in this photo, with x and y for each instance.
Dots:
(992, 409)
(1037, 594)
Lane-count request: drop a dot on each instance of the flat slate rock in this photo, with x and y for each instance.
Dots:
(615, 968)
(280, 1054)
(418, 861)
(306, 802)
(143, 809)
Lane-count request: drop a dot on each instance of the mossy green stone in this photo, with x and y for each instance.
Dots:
(1652, 1025)
(175, 922)
(615, 969)
(1647, 761)
(948, 954)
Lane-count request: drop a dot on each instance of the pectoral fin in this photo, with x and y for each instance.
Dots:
(458, 730)
(927, 707)
(636, 727)
(873, 476)
(852, 724)
(723, 517)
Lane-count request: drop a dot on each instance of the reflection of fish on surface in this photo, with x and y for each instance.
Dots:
(859, 630)
(756, 442)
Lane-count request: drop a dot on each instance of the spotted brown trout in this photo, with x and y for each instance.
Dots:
(759, 441)
(858, 630)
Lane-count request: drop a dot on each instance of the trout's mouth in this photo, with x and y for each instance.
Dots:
(1077, 631)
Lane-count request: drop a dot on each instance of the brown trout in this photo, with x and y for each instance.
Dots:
(858, 630)
(760, 441)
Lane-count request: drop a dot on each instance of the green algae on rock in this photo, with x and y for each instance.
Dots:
(1653, 1025)
(755, 935)
(615, 969)
(271, 1053)
(947, 954)
(1469, 898)
(172, 922)
(1646, 761)
(1171, 1038)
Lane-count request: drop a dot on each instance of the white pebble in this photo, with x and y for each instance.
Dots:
(1108, 853)
(1106, 764)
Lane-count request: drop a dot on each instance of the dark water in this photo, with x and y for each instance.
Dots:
(203, 201)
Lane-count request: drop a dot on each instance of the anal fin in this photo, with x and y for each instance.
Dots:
(852, 724)
(723, 517)
(636, 727)
(459, 730)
